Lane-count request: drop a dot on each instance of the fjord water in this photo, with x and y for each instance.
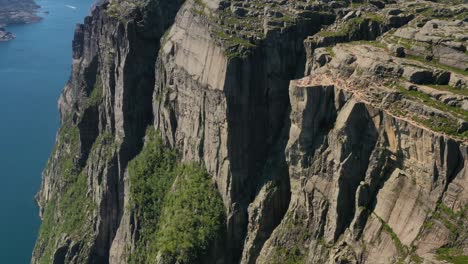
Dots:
(33, 70)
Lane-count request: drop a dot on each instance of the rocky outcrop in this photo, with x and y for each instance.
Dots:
(360, 161)
(5, 35)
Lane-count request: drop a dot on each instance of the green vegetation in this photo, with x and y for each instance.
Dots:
(74, 204)
(66, 213)
(103, 147)
(442, 124)
(165, 36)
(179, 210)
(69, 144)
(452, 255)
(402, 249)
(408, 43)
(349, 27)
(96, 94)
(453, 2)
(294, 251)
(451, 220)
(415, 258)
(234, 44)
(437, 64)
(200, 8)
(455, 222)
(446, 13)
(330, 51)
(47, 232)
(119, 9)
(426, 99)
(234, 40)
(357, 5)
(192, 218)
(449, 89)
(288, 255)
(329, 33)
(113, 9)
(152, 173)
(376, 17)
(374, 43)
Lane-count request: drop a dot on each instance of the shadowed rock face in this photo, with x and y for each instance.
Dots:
(360, 161)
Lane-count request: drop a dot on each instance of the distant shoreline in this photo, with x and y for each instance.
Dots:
(16, 12)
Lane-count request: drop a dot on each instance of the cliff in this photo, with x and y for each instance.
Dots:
(207, 131)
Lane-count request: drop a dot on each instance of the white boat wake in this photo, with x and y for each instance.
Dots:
(71, 7)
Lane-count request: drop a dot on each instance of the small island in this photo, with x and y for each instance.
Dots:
(16, 12)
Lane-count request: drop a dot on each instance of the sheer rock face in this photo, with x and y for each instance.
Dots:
(347, 157)
(322, 169)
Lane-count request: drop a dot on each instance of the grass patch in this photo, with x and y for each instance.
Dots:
(351, 26)
(330, 51)
(233, 40)
(451, 220)
(292, 255)
(441, 124)
(402, 249)
(357, 5)
(329, 33)
(294, 251)
(452, 255)
(416, 259)
(449, 88)
(192, 218)
(445, 125)
(67, 212)
(66, 215)
(427, 100)
(95, 98)
(375, 17)
(200, 8)
(437, 64)
(234, 44)
(68, 142)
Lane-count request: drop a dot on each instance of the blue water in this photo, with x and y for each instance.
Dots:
(33, 69)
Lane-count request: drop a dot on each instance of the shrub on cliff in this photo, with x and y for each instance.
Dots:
(192, 218)
(178, 209)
